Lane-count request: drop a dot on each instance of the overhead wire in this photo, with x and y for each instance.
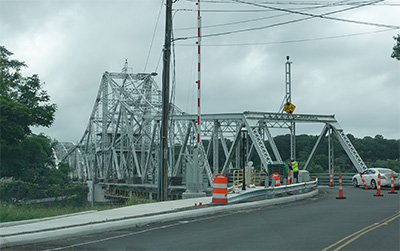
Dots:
(292, 41)
(293, 2)
(216, 10)
(234, 23)
(261, 18)
(255, 19)
(246, 21)
(152, 39)
(158, 61)
(308, 16)
(324, 16)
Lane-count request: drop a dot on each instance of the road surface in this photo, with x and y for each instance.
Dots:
(362, 221)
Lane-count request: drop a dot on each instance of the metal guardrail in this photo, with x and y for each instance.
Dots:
(273, 191)
(323, 178)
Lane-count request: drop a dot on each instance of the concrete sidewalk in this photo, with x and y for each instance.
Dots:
(34, 231)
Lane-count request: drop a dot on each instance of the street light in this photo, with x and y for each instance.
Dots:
(243, 132)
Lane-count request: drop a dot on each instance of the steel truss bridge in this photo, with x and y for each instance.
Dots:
(122, 139)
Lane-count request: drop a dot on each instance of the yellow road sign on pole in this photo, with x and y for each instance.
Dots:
(289, 107)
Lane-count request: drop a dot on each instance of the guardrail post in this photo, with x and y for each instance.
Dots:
(273, 181)
(266, 182)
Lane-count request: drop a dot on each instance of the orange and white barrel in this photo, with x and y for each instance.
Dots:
(277, 179)
(220, 189)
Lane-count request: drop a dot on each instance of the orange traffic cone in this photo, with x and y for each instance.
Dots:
(340, 188)
(392, 184)
(378, 189)
(331, 179)
(289, 180)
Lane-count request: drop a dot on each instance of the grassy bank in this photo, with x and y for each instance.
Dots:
(16, 212)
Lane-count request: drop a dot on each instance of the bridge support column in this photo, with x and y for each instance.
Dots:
(96, 194)
(194, 179)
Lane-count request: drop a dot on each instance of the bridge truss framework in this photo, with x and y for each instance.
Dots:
(122, 138)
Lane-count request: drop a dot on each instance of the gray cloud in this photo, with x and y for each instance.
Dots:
(71, 43)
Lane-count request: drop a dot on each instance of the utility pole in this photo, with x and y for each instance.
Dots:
(163, 170)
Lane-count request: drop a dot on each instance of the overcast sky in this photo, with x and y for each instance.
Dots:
(339, 66)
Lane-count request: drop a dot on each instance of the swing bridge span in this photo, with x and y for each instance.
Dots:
(121, 143)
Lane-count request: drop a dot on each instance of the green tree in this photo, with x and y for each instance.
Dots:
(29, 160)
(23, 103)
(396, 48)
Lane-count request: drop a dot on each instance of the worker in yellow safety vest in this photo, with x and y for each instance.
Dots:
(295, 169)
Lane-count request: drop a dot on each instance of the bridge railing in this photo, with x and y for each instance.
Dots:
(324, 178)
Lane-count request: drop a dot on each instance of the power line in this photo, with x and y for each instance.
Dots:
(247, 20)
(211, 10)
(152, 39)
(292, 41)
(255, 19)
(336, 3)
(324, 16)
(233, 23)
(308, 16)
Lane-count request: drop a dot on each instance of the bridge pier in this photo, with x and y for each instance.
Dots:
(96, 193)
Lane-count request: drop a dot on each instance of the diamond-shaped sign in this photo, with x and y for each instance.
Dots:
(289, 107)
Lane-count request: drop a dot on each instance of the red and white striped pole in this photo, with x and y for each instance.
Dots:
(198, 70)
(392, 184)
(378, 189)
(340, 187)
(363, 181)
(331, 179)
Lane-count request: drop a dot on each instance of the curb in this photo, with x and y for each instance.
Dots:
(36, 237)
(16, 223)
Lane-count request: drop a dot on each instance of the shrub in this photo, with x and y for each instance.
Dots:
(23, 192)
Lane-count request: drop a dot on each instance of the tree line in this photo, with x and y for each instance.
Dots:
(375, 152)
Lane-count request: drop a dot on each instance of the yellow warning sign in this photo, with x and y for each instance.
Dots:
(289, 107)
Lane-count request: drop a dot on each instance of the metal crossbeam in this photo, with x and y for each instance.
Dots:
(349, 148)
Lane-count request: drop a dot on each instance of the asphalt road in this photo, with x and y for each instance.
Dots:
(362, 221)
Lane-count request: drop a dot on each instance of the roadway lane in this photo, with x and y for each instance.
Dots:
(360, 222)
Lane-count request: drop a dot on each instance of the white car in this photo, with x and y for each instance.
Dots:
(371, 178)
